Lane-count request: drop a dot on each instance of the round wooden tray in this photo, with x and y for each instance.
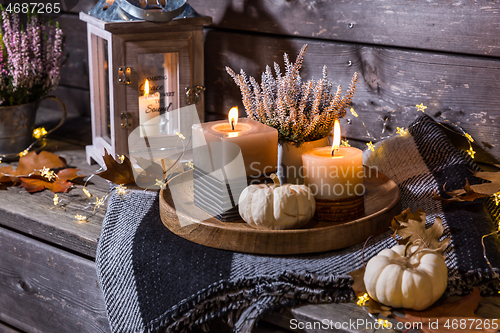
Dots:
(189, 222)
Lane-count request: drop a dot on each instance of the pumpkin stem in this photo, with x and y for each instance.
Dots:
(406, 248)
(275, 180)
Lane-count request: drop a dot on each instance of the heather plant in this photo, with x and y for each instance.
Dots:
(300, 111)
(30, 59)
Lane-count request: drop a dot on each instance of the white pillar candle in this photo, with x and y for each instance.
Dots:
(224, 140)
(334, 172)
(149, 112)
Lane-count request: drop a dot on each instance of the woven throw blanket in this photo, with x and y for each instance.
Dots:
(155, 281)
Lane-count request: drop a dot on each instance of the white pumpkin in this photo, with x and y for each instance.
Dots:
(416, 284)
(276, 206)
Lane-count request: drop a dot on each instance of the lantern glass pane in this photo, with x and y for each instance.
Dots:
(103, 100)
(158, 94)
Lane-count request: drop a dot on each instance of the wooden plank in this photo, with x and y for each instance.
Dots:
(77, 100)
(45, 289)
(465, 27)
(349, 317)
(489, 308)
(36, 215)
(319, 318)
(75, 72)
(4, 328)
(458, 88)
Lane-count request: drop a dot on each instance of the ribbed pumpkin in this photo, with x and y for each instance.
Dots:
(276, 207)
(406, 281)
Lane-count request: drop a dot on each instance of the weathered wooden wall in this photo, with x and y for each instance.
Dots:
(442, 53)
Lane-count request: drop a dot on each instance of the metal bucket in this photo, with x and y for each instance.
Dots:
(17, 124)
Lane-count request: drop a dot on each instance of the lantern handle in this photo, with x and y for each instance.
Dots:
(152, 15)
(64, 110)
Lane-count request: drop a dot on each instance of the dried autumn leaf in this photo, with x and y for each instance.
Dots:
(7, 175)
(68, 174)
(411, 226)
(61, 183)
(465, 194)
(434, 319)
(358, 285)
(118, 173)
(33, 161)
(472, 192)
(487, 188)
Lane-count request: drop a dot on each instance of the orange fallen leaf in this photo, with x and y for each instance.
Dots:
(61, 183)
(118, 173)
(6, 176)
(448, 317)
(465, 194)
(358, 285)
(33, 161)
(472, 192)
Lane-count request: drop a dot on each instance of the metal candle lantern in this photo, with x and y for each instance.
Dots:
(146, 64)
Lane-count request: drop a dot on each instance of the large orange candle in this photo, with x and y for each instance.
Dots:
(334, 172)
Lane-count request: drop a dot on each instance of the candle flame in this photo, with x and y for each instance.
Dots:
(146, 88)
(336, 137)
(233, 117)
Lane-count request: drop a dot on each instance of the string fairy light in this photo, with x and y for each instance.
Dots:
(81, 218)
(180, 135)
(344, 143)
(121, 190)
(469, 137)
(471, 152)
(189, 164)
(421, 107)
(384, 323)
(496, 197)
(401, 131)
(354, 113)
(371, 146)
(121, 158)
(98, 202)
(47, 174)
(160, 183)
(87, 193)
(39, 133)
(363, 300)
(56, 200)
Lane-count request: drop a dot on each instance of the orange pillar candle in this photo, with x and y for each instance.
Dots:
(334, 173)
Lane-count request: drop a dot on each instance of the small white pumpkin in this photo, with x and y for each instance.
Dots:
(413, 282)
(276, 206)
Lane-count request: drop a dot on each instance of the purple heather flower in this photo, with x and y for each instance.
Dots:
(30, 59)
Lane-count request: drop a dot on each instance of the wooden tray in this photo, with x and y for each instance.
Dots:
(188, 221)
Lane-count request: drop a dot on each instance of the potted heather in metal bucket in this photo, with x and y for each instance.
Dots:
(30, 60)
(303, 112)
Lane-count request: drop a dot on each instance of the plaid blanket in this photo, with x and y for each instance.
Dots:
(154, 281)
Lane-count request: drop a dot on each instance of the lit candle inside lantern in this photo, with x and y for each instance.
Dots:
(227, 138)
(334, 172)
(149, 112)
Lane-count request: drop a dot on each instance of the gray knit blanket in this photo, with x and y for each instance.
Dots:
(155, 281)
